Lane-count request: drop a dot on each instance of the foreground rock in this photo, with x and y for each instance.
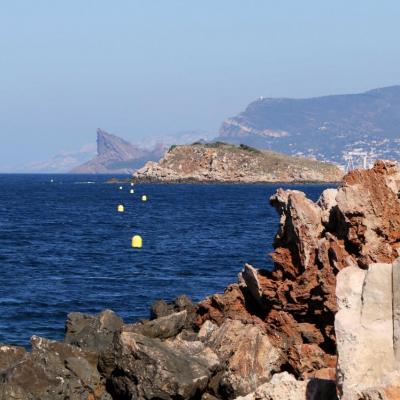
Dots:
(295, 304)
(284, 386)
(147, 368)
(366, 332)
(52, 371)
(270, 336)
(222, 162)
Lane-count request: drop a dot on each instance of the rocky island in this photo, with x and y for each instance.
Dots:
(223, 162)
(325, 322)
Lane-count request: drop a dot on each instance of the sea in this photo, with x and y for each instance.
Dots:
(64, 247)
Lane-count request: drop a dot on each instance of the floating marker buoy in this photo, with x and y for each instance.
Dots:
(52, 180)
(144, 198)
(120, 208)
(131, 183)
(137, 242)
(132, 191)
(120, 188)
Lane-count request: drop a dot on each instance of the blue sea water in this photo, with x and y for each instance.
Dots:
(64, 247)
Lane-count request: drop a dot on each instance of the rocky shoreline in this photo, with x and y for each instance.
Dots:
(192, 181)
(324, 323)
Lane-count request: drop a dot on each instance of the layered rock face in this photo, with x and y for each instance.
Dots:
(270, 336)
(222, 162)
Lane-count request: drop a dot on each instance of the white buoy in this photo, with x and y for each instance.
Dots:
(120, 188)
(144, 198)
(131, 183)
(132, 191)
(51, 180)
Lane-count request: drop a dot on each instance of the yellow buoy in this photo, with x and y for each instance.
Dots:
(120, 208)
(137, 242)
(132, 191)
(144, 198)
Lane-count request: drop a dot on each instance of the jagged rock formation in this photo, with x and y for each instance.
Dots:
(115, 155)
(295, 304)
(220, 162)
(271, 336)
(323, 127)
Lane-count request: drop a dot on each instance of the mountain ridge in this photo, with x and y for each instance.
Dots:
(323, 127)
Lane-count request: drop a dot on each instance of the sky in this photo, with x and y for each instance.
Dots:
(144, 69)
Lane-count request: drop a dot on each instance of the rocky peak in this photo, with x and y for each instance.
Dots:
(111, 145)
(116, 155)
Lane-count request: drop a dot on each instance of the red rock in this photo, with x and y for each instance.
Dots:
(219, 307)
(368, 203)
(306, 359)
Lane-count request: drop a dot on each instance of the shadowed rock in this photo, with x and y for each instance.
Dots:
(148, 369)
(53, 371)
(163, 327)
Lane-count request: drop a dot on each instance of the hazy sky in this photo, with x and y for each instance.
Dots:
(143, 68)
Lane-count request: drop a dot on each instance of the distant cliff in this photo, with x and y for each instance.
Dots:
(324, 127)
(116, 155)
(221, 162)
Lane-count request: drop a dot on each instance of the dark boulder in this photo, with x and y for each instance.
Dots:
(53, 371)
(163, 327)
(148, 368)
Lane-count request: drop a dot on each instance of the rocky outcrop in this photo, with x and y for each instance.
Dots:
(221, 162)
(116, 155)
(295, 304)
(272, 335)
